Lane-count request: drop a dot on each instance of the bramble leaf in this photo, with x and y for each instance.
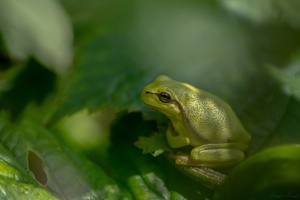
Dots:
(155, 145)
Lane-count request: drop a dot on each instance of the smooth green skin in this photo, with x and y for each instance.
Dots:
(199, 119)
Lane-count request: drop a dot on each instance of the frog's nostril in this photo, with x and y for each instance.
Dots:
(147, 92)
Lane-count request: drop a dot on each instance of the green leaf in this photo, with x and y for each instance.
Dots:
(155, 145)
(37, 28)
(69, 174)
(15, 182)
(269, 174)
(13, 190)
(96, 82)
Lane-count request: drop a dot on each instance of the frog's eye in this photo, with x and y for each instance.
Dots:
(164, 97)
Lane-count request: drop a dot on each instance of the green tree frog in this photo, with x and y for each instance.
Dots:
(198, 119)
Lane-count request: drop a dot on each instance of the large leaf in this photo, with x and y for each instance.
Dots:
(279, 166)
(14, 180)
(104, 64)
(115, 61)
(69, 175)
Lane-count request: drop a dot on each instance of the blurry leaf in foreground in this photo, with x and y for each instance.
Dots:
(37, 28)
(265, 175)
(14, 180)
(69, 174)
(13, 190)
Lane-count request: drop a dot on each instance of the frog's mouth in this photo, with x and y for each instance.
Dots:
(145, 100)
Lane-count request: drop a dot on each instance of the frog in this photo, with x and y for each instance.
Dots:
(199, 120)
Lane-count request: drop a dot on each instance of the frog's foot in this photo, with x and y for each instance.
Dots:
(184, 159)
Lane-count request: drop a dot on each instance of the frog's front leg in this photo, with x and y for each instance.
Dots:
(213, 155)
(174, 139)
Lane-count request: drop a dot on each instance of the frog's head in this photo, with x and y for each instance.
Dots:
(167, 96)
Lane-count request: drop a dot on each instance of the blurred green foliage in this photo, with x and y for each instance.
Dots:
(71, 73)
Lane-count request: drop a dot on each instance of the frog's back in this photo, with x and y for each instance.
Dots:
(214, 121)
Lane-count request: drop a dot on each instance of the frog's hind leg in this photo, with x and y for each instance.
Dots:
(213, 155)
(218, 155)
